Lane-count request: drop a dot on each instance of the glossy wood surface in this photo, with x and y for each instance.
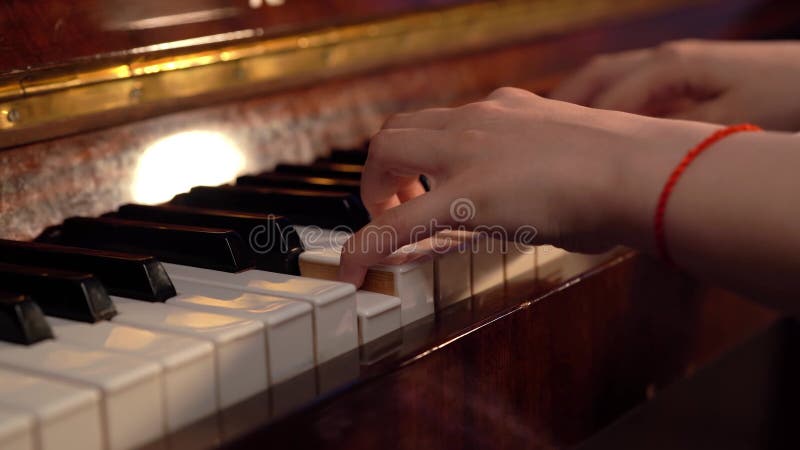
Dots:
(746, 400)
(36, 34)
(45, 33)
(509, 373)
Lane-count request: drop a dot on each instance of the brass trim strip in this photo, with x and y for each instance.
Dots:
(39, 101)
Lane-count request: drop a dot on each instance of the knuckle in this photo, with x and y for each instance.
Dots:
(601, 60)
(601, 63)
(471, 136)
(505, 91)
(480, 109)
(676, 49)
(394, 120)
(668, 49)
(379, 144)
(688, 42)
(490, 109)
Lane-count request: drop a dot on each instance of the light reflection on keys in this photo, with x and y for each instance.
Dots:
(520, 265)
(16, 430)
(131, 387)
(288, 324)
(239, 352)
(406, 276)
(333, 303)
(59, 409)
(187, 364)
(452, 267)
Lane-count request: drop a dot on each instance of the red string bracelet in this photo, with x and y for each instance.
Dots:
(658, 221)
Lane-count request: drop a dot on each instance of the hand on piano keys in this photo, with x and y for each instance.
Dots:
(480, 157)
(141, 322)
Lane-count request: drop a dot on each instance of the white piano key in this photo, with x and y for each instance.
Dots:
(316, 238)
(68, 416)
(452, 266)
(378, 315)
(288, 324)
(333, 303)
(488, 264)
(413, 282)
(550, 262)
(554, 264)
(187, 364)
(240, 355)
(16, 430)
(520, 264)
(132, 395)
(407, 276)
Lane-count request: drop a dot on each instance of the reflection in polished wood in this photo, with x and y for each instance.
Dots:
(532, 368)
(747, 399)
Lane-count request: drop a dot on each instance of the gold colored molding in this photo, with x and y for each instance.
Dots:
(52, 98)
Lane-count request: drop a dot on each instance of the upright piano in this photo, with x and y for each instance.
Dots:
(165, 168)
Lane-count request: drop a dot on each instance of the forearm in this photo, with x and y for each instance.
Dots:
(733, 217)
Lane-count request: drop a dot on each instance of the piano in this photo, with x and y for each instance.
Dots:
(176, 179)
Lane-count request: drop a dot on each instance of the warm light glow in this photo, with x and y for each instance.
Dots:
(325, 181)
(247, 302)
(199, 320)
(65, 358)
(129, 338)
(179, 162)
(255, 4)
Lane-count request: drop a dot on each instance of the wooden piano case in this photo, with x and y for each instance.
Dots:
(87, 88)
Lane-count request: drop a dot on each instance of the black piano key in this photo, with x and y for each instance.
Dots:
(209, 248)
(323, 209)
(21, 320)
(303, 182)
(295, 181)
(317, 183)
(60, 293)
(342, 156)
(275, 243)
(323, 169)
(425, 182)
(123, 274)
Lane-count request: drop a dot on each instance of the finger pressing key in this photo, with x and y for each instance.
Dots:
(397, 158)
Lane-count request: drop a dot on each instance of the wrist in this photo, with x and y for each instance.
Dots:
(643, 164)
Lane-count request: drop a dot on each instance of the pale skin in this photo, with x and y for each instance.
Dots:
(588, 178)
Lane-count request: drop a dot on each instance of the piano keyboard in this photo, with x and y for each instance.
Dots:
(118, 330)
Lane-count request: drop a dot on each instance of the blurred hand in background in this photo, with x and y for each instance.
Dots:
(710, 81)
